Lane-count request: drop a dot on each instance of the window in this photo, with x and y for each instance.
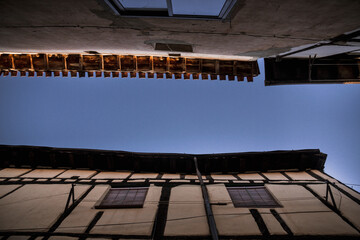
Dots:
(254, 196)
(124, 198)
(209, 9)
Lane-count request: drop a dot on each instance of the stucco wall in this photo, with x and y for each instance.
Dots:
(231, 220)
(111, 175)
(35, 207)
(130, 221)
(171, 176)
(43, 173)
(193, 177)
(339, 184)
(77, 173)
(186, 214)
(82, 215)
(144, 175)
(349, 208)
(275, 176)
(13, 172)
(222, 177)
(251, 176)
(305, 214)
(4, 189)
(300, 176)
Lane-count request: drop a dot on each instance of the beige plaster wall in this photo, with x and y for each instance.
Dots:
(194, 177)
(43, 173)
(186, 213)
(271, 222)
(324, 176)
(82, 215)
(19, 238)
(4, 189)
(80, 173)
(63, 238)
(340, 185)
(223, 176)
(38, 206)
(35, 207)
(144, 175)
(170, 176)
(275, 176)
(130, 221)
(230, 220)
(250, 176)
(349, 208)
(300, 176)
(111, 175)
(13, 172)
(305, 214)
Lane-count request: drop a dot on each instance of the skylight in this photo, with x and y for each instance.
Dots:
(199, 7)
(208, 9)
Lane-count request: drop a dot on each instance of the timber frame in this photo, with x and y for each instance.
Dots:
(227, 163)
(161, 215)
(126, 66)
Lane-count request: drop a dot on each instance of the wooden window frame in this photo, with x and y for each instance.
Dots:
(104, 202)
(260, 198)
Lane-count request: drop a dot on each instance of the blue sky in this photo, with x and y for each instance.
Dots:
(185, 116)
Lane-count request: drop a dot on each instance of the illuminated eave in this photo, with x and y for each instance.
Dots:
(125, 66)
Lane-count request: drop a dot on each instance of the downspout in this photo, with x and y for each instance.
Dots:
(209, 213)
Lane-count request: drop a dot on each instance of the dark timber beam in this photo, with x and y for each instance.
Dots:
(161, 215)
(209, 213)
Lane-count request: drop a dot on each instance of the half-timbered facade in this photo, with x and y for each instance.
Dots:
(53, 193)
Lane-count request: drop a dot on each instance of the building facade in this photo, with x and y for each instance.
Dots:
(332, 61)
(204, 39)
(53, 193)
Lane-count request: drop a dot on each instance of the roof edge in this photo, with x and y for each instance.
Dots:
(35, 156)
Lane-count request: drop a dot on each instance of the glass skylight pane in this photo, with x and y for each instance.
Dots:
(144, 4)
(197, 7)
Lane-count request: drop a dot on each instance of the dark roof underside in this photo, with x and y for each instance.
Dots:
(31, 156)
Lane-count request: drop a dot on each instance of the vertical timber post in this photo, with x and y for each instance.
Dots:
(209, 213)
